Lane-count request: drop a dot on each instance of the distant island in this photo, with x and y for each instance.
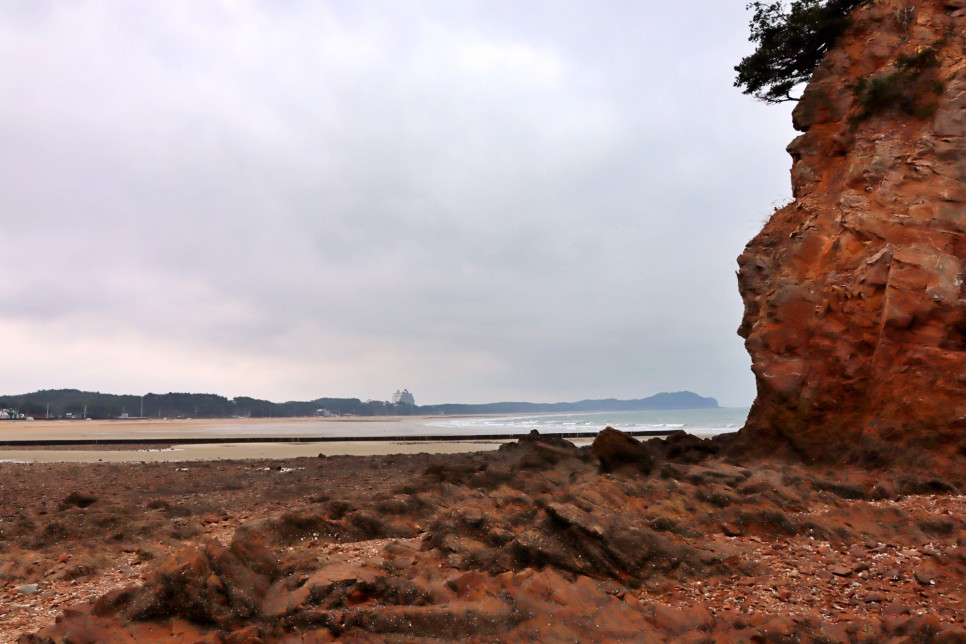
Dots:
(675, 400)
(73, 403)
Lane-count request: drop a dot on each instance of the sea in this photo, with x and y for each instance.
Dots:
(391, 435)
(700, 422)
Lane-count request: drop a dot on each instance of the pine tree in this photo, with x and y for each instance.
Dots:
(791, 43)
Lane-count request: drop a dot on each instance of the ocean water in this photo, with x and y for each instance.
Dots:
(700, 422)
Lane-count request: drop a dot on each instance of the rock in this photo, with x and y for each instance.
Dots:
(730, 475)
(950, 635)
(854, 292)
(568, 515)
(246, 569)
(455, 621)
(29, 589)
(183, 586)
(78, 500)
(533, 547)
(615, 449)
(883, 490)
(561, 445)
(679, 620)
(924, 578)
(731, 530)
(767, 522)
(687, 448)
(204, 585)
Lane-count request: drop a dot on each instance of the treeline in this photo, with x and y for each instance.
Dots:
(72, 403)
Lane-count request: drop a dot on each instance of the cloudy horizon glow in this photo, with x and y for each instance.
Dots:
(476, 201)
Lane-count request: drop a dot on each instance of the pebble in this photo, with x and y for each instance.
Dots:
(924, 578)
(731, 530)
(29, 589)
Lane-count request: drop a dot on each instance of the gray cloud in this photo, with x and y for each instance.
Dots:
(477, 201)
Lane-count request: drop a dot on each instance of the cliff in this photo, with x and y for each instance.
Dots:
(855, 309)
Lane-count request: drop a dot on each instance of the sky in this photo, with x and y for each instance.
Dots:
(479, 201)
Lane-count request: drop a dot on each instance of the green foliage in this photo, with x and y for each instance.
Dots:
(919, 62)
(187, 405)
(907, 89)
(790, 44)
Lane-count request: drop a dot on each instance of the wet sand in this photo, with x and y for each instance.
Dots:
(241, 451)
(169, 431)
(219, 427)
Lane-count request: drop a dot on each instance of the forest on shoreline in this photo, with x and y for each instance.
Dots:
(73, 403)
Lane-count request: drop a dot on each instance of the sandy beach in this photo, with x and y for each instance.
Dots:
(243, 451)
(196, 427)
(168, 449)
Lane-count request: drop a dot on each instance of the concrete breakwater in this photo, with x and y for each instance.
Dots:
(409, 438)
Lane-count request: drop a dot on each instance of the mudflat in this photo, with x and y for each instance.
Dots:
(173, 452)
(91, 434)
(205, 427)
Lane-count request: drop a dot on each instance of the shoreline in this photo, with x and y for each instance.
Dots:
(178, 452)
(220, 439)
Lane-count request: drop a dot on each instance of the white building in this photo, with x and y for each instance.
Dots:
(403, 397)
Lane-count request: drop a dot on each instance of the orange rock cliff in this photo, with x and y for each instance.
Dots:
(855, 309)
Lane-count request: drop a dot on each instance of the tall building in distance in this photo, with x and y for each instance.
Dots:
(403, 397)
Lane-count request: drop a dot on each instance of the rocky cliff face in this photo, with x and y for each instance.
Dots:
(855, 308)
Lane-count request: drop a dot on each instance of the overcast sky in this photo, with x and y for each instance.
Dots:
(478, 201)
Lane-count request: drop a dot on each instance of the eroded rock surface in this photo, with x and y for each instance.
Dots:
(855, 305)
(538, 542)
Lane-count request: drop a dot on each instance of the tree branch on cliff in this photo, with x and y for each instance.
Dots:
(791, 43)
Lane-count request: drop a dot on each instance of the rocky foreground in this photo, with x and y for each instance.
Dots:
(668, 540)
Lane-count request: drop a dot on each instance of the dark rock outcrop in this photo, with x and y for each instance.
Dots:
(207, 585)
(615, 449)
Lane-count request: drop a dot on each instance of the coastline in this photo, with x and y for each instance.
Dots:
(175, 440)
(78, 429)
(169, 452)
(168, 449)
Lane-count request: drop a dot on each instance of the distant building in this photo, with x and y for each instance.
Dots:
(403, 397)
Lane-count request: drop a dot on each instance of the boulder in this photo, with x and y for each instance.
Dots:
(614, 449)
(206, 585)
